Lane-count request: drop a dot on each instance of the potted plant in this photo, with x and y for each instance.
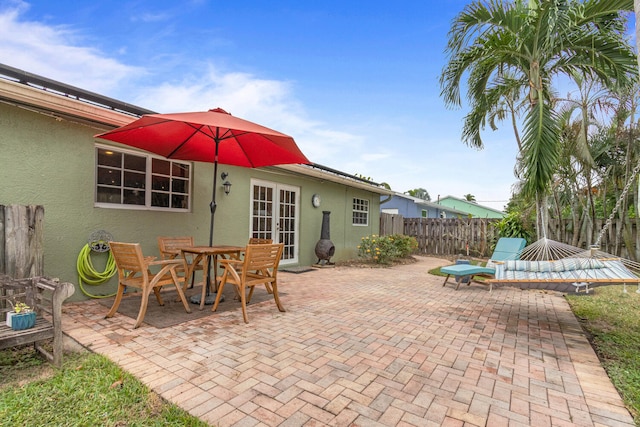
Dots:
(22, 316)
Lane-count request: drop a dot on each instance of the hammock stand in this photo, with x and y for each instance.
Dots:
(565, 268)
(551, 265)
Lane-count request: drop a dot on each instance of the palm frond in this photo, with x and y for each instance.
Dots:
(533, 42)
(541, 149)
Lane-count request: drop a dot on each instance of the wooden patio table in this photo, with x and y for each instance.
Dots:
(204, 254)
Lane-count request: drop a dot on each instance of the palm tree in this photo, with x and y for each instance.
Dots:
(510, 104)
(530, 43)
(636, 7)
(469, 197)
(578, 115)
(420, 193)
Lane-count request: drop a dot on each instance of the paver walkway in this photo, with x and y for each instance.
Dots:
(370, 347)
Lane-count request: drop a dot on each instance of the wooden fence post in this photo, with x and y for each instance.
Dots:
(391, 224)
(22, 241)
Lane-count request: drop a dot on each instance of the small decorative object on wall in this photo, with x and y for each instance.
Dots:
(315, 200)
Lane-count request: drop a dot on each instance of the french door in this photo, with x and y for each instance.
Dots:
(275, 215)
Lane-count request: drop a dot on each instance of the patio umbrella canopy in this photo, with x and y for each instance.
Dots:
(195, 137)
(213, 136)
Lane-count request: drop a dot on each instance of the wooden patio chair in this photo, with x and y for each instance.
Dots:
(261, 241)
(170, 249)
(259, 266)
(133, 272)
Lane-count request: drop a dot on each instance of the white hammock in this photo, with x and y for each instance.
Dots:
(547, 264)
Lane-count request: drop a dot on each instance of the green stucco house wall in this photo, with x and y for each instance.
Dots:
(49, 158)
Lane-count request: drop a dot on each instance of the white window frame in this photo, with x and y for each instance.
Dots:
(148, 186)
(360, 207)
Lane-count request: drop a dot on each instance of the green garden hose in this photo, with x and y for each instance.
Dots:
(88, 274)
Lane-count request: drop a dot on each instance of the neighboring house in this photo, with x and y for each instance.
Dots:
(49, 157)
(413, 207)
(471, 208)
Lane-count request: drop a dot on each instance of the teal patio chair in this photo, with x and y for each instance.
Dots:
(507, 248)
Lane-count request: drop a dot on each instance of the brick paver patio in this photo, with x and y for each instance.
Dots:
(370, 347)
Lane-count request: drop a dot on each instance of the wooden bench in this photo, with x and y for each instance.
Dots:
(46, 296)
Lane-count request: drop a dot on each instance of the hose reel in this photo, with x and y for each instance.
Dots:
(98, 242)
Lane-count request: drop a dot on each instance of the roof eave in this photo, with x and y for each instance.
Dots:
(60, 106)
(334, 177)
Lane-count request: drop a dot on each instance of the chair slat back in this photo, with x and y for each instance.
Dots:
(169, 246)
(263, 256)
(259, 241)
(128, 257)
(508, 248)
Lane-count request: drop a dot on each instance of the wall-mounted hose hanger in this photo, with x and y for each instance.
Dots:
(98, 243)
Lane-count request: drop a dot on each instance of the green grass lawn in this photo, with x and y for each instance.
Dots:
(611, 319)
(88, 390)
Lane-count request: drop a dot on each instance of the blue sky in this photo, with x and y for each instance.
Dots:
(355, 83)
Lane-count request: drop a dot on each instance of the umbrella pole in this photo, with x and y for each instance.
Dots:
(213, 205)
(209, 299)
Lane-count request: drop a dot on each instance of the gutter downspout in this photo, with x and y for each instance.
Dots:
(390, 196)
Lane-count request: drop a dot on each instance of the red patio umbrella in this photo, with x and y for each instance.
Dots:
(209, 136)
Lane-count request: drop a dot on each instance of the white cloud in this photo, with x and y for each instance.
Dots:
(268, 102)
(151, 17)
(53, 52)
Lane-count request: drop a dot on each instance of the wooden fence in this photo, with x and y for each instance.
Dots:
(451, 237)
(391, 224)
(562, 231)
(476, 236)
(21, 241)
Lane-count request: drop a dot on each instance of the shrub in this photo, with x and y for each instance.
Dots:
(407, 245)
(513, 225)
(384, 249)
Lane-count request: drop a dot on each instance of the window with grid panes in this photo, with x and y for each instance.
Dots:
(128, 179)
(360, 211)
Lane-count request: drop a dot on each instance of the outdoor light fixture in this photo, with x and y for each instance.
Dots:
(226, 184)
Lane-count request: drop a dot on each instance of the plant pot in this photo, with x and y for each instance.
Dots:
(20, 321)
(8, 321)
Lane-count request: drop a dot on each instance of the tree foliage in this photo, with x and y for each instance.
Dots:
(420, 193)
(512, 51)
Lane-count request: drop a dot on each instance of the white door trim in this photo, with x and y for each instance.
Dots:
(274, 219)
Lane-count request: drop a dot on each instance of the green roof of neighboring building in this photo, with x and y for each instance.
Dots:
(472, 208)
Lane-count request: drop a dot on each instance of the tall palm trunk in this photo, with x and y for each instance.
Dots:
(542, 222)
(636, 7)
